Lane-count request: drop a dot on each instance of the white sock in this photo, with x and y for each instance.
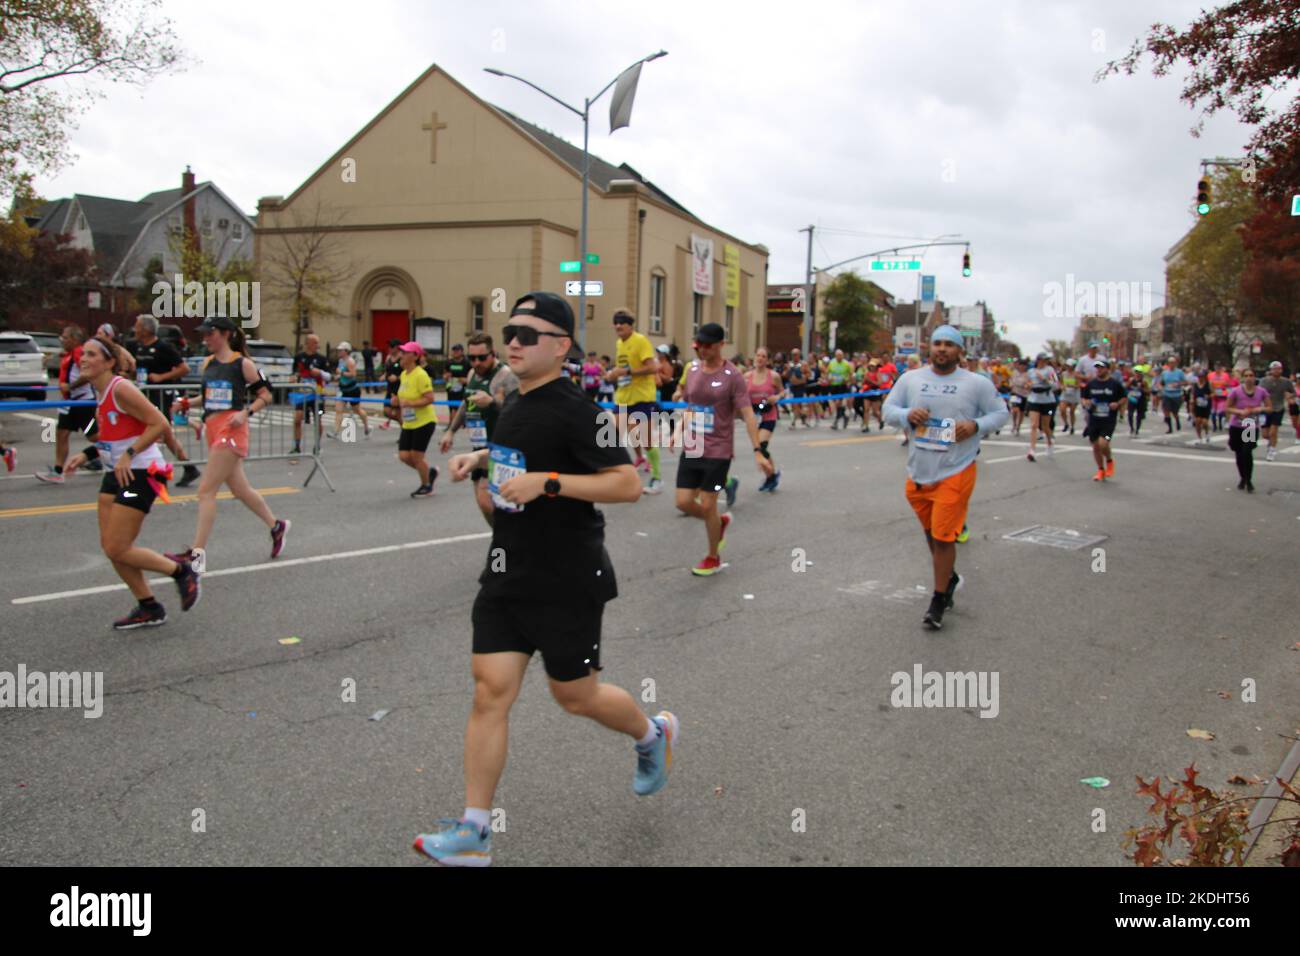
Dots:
(479, 817)
(651, 735)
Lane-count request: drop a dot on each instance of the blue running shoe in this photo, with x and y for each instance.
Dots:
(732, 484)
(767, 483)
(456, 843)
(652, 765)
(775, 480)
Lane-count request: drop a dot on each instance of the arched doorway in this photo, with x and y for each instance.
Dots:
(386, 299)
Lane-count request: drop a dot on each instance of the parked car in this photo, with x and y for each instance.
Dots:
(22, 367)
(51, 347)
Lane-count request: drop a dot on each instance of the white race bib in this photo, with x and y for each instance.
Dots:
(477, 430)
(701, 419)
(1101, 409)
(504, 464)
(937, 434)
(218, 398)
(408, 413)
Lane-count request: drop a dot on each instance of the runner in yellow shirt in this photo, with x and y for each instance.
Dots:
(414, 399)
(634, 374)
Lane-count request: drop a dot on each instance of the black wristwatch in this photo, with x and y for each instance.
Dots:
(552, 486)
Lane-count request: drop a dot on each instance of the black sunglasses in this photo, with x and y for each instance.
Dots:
(479, 358)
(527, 335)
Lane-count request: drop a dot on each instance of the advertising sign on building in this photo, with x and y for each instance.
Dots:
(731, 259)
(927, 294)
(701, 265)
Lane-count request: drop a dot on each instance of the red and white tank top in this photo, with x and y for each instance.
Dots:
(117, 431)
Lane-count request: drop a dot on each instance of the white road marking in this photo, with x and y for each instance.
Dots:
(292, 562)
(1117, 450)
(1042, 455)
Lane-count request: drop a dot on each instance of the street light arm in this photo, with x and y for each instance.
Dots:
(644, 59)
(571, 109)
(880, 252)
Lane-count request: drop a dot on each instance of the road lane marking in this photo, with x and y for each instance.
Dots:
(1158, 454)
(246, 569)
(94, 505)
(820, 442)
(1060, 450)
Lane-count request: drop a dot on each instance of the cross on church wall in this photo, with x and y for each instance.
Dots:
(433, 126)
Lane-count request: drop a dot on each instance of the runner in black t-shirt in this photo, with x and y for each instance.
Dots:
(156, 363)
(393, 379)
(312, 367)
(553, 455)
(1104, 398)
(369, 356)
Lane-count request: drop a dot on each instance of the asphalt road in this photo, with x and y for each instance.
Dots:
(782, 679)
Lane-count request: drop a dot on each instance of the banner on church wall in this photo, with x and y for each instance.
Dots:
(731, 260)
(702, 260)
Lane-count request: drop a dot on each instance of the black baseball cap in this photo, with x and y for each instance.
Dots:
(548, 306)
(218, 322)
(710, 333)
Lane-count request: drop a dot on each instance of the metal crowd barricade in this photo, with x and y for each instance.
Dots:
(270, 431)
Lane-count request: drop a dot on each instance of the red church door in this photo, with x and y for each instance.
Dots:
(389, 324)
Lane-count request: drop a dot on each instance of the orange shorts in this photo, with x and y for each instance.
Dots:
(942, 506)
(221, 434)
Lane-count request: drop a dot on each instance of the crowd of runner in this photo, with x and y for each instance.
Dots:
(543, 452)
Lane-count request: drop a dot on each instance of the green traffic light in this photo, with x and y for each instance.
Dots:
(1203, 209)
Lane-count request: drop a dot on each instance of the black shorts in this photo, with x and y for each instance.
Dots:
(1273, 419)
(139, 494)
(798, 391)
(1294, 409)
(75, 419)
(767, 426)
(837, 389)
(1170, 406)
(567, 635)
(1200, 411)
(416, 439)
(703, 474)
(351, 395)
(1099, 427)
(1047, 410)
(309, 407)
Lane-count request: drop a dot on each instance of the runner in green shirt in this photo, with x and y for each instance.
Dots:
(839, 377)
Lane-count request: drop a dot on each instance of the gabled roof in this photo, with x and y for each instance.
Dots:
(601, 172)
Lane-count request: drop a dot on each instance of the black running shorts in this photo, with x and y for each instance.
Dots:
(703, 474)
(416, 439)
(1099, 427)
(139, 494)
(567, 635)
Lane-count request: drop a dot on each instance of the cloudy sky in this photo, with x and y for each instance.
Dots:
(877, 122)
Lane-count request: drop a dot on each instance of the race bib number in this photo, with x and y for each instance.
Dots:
(408, 413)
(1101, 409)
(1135, 397)
(937, 434)
(504, 464)
(625, 380)
(1016, 399)
(218, 398)
(105, 449)
(701, 419)
(477, 430)
(1202, 401)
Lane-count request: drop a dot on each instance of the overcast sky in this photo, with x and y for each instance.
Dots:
(762, 119)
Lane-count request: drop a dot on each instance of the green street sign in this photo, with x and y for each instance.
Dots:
(593, 259)
(895, 265)
(1295, 205)
(574, 266)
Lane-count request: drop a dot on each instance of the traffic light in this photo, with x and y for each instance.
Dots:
(1203, 197)
(965, 264)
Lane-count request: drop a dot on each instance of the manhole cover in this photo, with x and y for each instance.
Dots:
(1064, 538)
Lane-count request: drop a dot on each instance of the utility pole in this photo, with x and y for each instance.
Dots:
(810, 301)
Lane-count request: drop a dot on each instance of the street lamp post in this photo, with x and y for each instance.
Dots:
(585, 113)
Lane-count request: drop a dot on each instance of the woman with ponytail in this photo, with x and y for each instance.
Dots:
(233, 390)
(135, 474)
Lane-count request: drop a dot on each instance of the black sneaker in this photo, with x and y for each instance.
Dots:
(934, 617)
(295, 450)
(423, 491)
(187, 583)
(142, 616)
(190, 476)
(95, 465)
(433, 475)
(1250, 487)
(954, 585)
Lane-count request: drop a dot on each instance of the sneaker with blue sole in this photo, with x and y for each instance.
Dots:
(654, 763)
(732, 484)
(456, 843)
